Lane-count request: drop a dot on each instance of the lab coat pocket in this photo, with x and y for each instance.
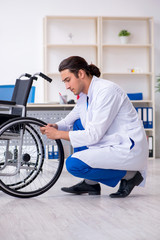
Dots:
(133, 130)
(132, 143)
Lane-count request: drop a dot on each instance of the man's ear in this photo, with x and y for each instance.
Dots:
(81, 73)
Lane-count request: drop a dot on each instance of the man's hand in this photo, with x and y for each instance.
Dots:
(52, 132)
(42, 129)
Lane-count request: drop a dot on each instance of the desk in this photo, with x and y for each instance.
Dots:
(51, 113)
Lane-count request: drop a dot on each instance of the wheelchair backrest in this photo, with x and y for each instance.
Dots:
(21, 93)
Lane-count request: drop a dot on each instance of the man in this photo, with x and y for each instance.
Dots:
(109, 140)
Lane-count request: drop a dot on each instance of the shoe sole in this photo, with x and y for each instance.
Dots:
(79, 193)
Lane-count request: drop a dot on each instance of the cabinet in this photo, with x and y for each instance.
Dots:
(96, 39)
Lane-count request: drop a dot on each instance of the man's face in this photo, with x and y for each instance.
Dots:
(74, 84)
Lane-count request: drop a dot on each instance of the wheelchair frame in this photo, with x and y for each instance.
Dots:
(25, 170)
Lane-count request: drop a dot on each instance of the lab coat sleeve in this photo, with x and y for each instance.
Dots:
(104, 110)
(67, 123)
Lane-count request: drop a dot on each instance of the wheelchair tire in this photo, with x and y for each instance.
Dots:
(27, 172)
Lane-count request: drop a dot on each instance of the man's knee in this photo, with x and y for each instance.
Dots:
(76, 166)
(69, 164)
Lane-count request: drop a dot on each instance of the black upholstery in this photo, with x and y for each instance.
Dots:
(20, 94)
(21, 91)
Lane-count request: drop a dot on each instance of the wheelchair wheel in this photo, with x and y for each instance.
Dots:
(25, 170)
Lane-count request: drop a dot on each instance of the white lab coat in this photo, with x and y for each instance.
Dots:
(109, 121)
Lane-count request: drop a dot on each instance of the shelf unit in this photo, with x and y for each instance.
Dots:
(96, 39)
(117, 59)
(64, 37)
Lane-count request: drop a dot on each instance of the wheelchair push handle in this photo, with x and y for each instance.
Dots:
(43, 76)
(34, 76)
(28, 75)
(25, 75)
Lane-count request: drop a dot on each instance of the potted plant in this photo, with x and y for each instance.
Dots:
(158, 84)
(124, 34)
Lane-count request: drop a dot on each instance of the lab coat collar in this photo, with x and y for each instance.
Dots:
(90, 90)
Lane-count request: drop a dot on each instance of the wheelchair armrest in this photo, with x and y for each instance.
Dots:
(7, 102)
(10, 105)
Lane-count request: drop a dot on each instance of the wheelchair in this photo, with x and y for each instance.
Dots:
(25, 170)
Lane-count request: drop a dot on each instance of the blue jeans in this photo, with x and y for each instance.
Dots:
(78, 168)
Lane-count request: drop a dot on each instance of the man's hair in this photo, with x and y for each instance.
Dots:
(75, 63)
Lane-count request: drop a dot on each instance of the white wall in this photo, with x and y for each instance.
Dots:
(21, 33)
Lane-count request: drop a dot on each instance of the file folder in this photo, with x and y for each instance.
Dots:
(145, 117)
(50, 152)
(139, 111)
(150, 143)
(150, 117)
